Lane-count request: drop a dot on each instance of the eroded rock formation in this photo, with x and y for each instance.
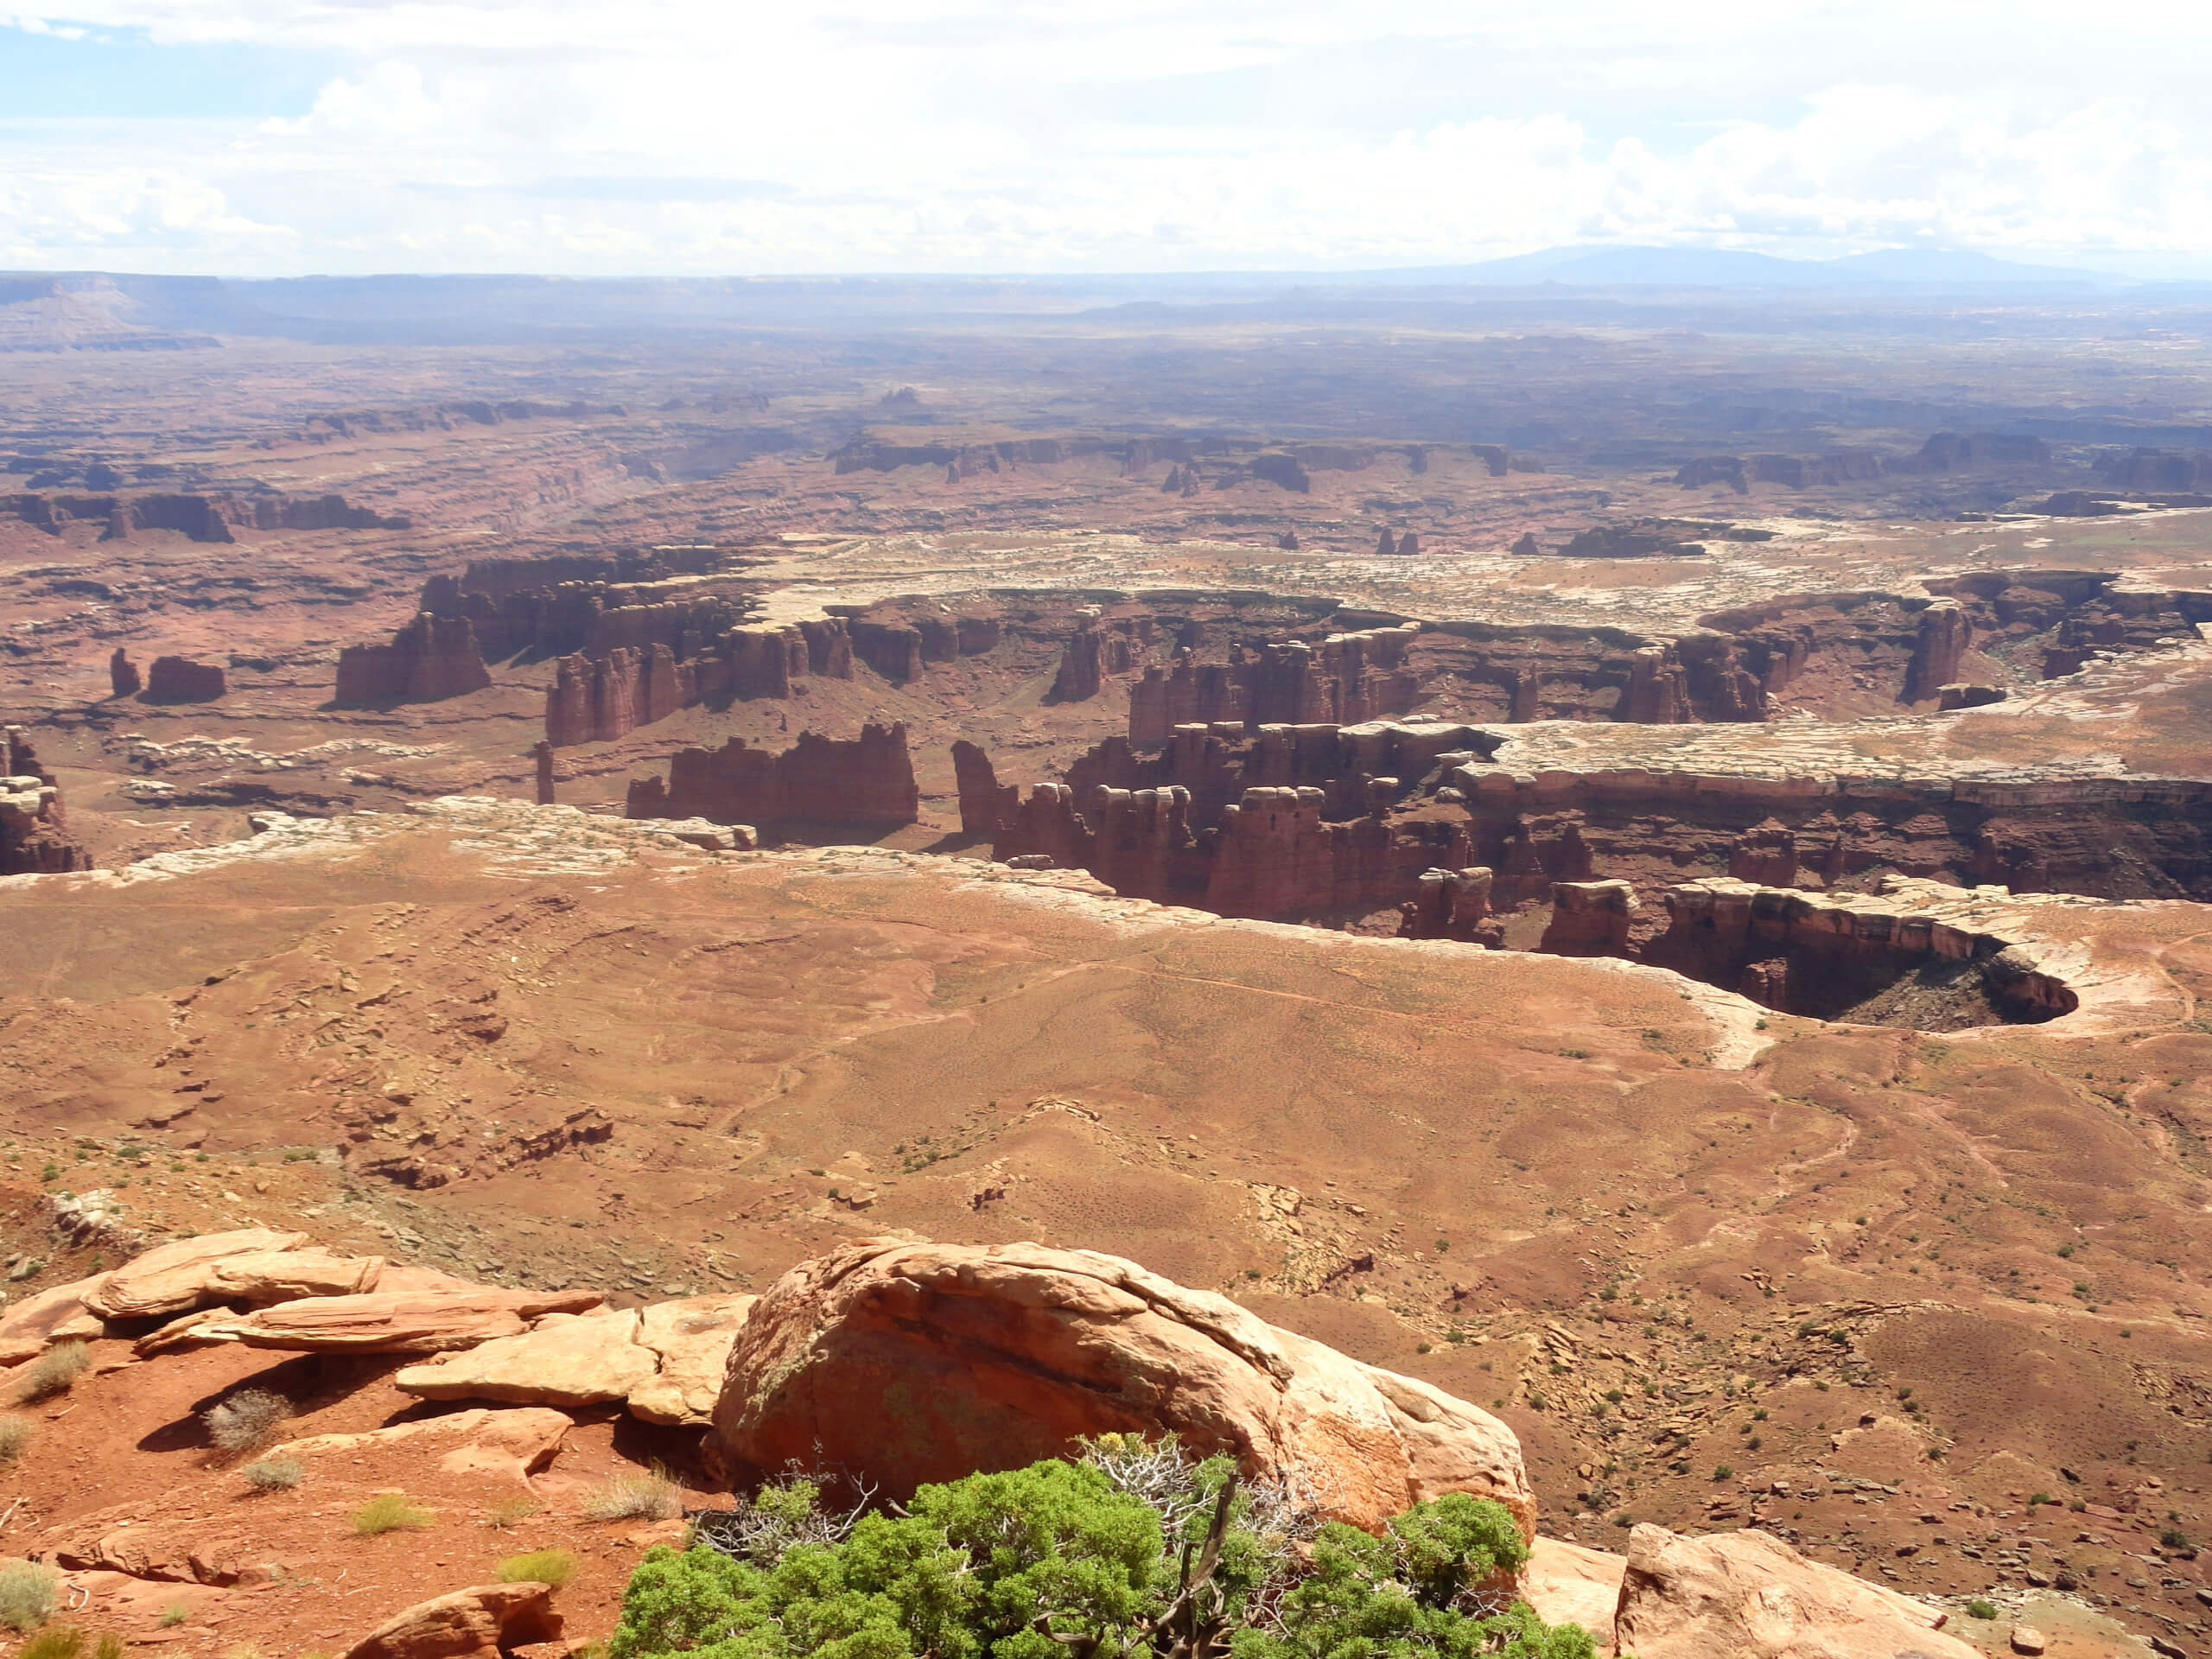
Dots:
(1290, 822)
(984, 802)
(1590, 919)
(818, 780)
(34, 838)
(1344, 679)
(431, 659)
(919, 1361)
(123, 676)
(178, 679)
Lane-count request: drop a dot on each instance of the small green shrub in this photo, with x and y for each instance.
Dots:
(2174, 1538)
(636, 1495)
(1091, 1555)
(54, 1371)
(511, 1512)
(66, 1642)
(552, 1567)
(15, 1436)
(1981, 1608)
(274, 1474)
(390, 1512)
(27, 1590)
(1724, 1471)
(173, 1617)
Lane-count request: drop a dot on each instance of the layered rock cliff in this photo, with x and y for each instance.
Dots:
(197, 517)
(430, 658)
(34, 838)
(818, 780)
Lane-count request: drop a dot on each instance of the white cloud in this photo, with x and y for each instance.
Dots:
(1143, 134)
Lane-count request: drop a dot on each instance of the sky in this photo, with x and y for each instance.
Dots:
(281, 137)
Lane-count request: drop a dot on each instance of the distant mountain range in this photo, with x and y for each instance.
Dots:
(100, 311)
(1617, 267)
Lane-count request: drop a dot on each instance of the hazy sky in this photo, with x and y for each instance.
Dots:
(281, 137)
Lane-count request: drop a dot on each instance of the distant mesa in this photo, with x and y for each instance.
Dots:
(1943, 452)
(904, 397)
(123, 676)
(1648, 538)
(447, 417)
(179, 679)
(2152, 471)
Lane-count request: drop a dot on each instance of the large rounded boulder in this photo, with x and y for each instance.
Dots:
(904, 1363)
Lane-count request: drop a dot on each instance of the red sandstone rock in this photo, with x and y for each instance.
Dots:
(866, 779)
(1590, 919)
(513, 1442)
(34, 838)
(176, 1277)
(431, 659)
(178, 679)
(915, 1362)
(1348, 678)
(984, 802)
(1081, 671)
(480, 1623)
(123, 676)
(1567, 1584)
(57, 1314)
(1750, 1595)
(396, 1322)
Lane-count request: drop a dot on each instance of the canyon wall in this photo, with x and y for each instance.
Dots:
(2114, 838)
(197, 517)
(1823, 955)
(818, 780)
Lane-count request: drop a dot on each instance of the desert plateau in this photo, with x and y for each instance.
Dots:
(1598, 897)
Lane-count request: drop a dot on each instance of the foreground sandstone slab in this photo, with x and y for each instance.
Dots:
(516, 1443)
(1750, 1595)
(175, 1277)
(1569, 1584)
(288, 1276)
(479, 1622)
(666, 1360)
(56, 1314)
(566, 1360)
(692, 1338)
(920, 1362)
(403, 1322)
